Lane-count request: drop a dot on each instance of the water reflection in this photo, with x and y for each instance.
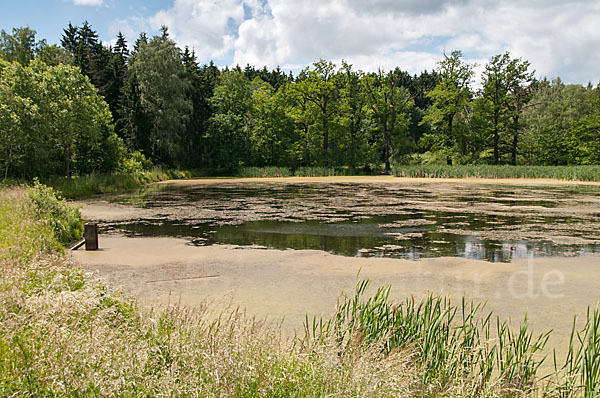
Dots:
(359, 240)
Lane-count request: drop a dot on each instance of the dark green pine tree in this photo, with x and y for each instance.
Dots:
(70, 38)
(121, 47)
(105, 67)
(132, 119)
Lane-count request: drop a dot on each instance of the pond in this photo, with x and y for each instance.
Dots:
(287, 248)
(496, 223)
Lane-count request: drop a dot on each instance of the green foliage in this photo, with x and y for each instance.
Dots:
(548, 125)
(317, 93)
(63, 219)
(178, 113)
(271, 128)
(448, 98)
(264, 172)
(389, 104)
(323, 172)
(229, 130)
(135, 163)
(585, 133)
(314, 171)
(54, 55)
(53, 123)
(157, 90)
(20, 46)
(354, 117)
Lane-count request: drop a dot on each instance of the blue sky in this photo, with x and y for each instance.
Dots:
(50, 17)
(559, 37)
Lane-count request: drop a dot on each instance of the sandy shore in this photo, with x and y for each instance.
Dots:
(382, 180)
(292, 284)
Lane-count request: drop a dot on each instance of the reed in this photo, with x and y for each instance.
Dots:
(262, 172)
(449, 342)
(571, 173)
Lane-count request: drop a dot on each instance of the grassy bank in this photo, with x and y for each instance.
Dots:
(64, 334)
(92, 184)
(571, 173)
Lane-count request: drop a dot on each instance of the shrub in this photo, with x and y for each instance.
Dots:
(136, 162)
(52, 209)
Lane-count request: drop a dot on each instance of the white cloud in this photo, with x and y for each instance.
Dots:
(88, 2)
(558, 37)
(209, 26)
(403, 7)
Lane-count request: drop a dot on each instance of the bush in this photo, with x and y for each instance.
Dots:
(51, 208)
(136, 162)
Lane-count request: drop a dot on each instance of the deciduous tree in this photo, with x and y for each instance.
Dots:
(447, 99)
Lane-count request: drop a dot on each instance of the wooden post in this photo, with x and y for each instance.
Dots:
(90, 234)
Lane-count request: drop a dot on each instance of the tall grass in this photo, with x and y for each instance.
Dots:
(261, 172)
(65, 334)
(572, 173)
(321, 172)
(80, 186)
(315, 171)
(448, 342)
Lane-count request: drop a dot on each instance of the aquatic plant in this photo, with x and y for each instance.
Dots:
(447, 342)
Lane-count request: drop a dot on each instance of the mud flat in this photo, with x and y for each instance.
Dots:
(291, 284)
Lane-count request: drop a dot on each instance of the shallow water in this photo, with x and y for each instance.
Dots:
(496, 223)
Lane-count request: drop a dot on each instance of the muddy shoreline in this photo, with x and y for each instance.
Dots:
(289, 285)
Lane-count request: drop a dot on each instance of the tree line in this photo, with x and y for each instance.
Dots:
(82, 107)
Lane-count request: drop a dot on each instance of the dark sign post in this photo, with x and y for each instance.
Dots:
(90, 234)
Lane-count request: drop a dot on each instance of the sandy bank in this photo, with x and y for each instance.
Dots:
(382, 180)
(292, 284)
